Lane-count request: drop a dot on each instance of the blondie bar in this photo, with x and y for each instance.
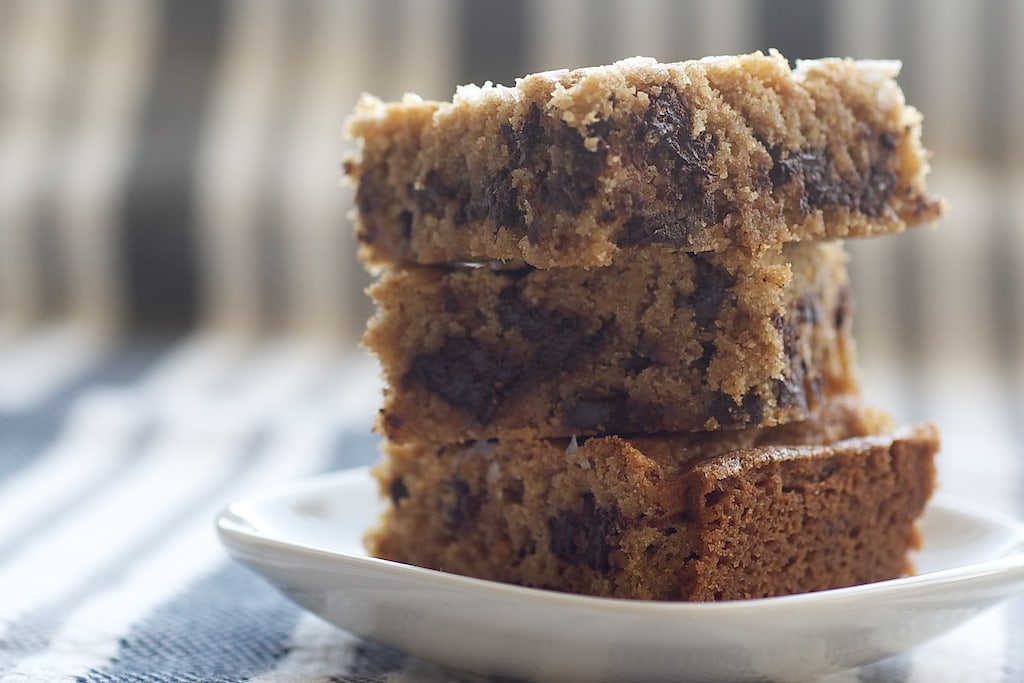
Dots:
(662, 340)
(573, 167)
(705, 517)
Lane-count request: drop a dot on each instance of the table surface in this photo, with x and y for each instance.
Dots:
(114, 461)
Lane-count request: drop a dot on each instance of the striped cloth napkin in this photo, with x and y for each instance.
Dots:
(115, 460)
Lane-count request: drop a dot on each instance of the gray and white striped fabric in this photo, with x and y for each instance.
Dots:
(179, 298)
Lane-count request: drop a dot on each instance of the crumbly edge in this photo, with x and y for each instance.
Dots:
(747, 97)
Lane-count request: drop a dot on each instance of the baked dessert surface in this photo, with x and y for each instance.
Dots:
(615, 327)
(662, 340)
(715, 516)
(575, 167)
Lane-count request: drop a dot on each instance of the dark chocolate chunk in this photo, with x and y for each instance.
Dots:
(790, 390)
(789, 393)
(879, 184)
(711, 290)
(523, 141)
(708, 351)
(398, 491)
(367, 230)
(465, 374)
(657, 228)
(556, 154)
(749, 411)
(664, 140)
(752, 408)
(477, 379)
(789, 167)
(637, 363)
(711, 498)
(392, 422)
(458, 504)
(584, 536)
(558, 336)
(821, 185)
(431, 194)
(668, 142)
(367, 199)
(562, 530)
(498, 201)
(405, 225)
(564, 191)
(513, 493)
(720, 407)
(844, 308)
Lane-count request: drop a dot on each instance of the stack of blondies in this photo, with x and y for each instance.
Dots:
(614, 321)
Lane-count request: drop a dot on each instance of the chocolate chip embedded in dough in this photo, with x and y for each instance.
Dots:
(557, 337)
(664, 140)
(398, 491)
(750, 409)
(430, 194)
(556, 154)
(458, 504)
(496, 200)
(879, 184)
(405, 225)
(477, 379)
(708, 351)
(790, 390)
(711, 289)
(583, 537)
(844, 308)
(466, 374)
(821, 186)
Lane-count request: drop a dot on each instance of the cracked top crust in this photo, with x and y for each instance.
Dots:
(572, 167)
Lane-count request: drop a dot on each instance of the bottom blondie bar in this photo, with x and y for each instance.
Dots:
(828, 502)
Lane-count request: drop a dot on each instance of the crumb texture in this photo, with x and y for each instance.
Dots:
(575, 167)
(660, 341)
(827, 502)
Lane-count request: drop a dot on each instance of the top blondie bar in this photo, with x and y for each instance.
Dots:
(571, 167)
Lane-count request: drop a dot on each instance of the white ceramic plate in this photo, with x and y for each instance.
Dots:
(306, 539)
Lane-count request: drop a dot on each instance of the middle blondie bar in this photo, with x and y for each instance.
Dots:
(659, 341)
